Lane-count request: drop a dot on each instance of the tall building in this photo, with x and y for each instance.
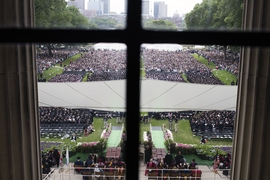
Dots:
(145, 7)
(160, 9)
(125, 6)
(106, 6)
(96, 6)
(80, 4)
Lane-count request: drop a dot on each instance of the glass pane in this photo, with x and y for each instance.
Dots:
(82, 99)
(80, 14)
(180, 15)
(188, 99)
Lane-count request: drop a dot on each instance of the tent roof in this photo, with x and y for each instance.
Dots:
(155, 96)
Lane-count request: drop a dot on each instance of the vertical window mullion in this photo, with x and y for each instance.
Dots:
(133, 31)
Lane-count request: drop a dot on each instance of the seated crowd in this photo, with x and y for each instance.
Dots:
(57, 115)
(170, 166)
(231, 64)
(212, 122)
(68, 77)
(46, 60)
(100, 166)
(105, 65)
(171, 65)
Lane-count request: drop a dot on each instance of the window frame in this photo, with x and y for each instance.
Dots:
(133, 36)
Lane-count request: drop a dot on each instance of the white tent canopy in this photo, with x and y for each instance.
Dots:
(155, 96)
(161, 47)
(110, 46)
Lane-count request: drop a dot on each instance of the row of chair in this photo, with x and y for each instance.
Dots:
(175, 174)
(113, 152)
(104, 173)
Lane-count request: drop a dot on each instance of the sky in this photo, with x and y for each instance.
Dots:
(181, 6)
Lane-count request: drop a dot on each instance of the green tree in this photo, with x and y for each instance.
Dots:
(216, 14)
(104, 22)
(56, 14)
(160, 25)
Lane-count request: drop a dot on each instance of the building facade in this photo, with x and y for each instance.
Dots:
(160, 9)
(80, 4)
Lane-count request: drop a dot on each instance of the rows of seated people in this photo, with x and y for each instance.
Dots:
(102, 64)
(74, 76)
(100, 166)
(161, 65)
(170, 65)
(231, 64)
(170, 167)
(213, 124)
(177, 115)
(45, 60)
(223, 163)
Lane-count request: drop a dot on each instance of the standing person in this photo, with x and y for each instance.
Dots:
(46, 165)
(147, 154)
(179, 158)
(73, 137)
(203, 140)
(168, 159)
(56, 156)
(175, 123)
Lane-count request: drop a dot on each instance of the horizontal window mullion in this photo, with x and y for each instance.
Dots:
(140, 36)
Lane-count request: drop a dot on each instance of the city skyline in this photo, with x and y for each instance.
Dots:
(180, 6)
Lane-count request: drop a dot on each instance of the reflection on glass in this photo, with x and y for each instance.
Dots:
(80, 14)
(188, 98)
(182, 15)
(82, 110)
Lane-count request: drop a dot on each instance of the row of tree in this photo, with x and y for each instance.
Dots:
(216, 14)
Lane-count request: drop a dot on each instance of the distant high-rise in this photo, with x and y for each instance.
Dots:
(145, 7)
(96, 6)
(160, 9)
(106, 6)
(80, 4)
(125, 6)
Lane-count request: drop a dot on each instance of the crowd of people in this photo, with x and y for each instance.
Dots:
(170, 164)
(57, 115)
(103, 65)
(173, 65)
(231, 64)
(213, 120)
(45, 60)
(68, 77)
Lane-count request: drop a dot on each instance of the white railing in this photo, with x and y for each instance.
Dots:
(69, 172)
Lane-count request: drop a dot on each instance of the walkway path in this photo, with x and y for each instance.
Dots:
(158, 137)
(115, 137)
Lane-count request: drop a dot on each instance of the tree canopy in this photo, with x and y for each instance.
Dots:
(160, 25)
(56, 14)
(216, 14)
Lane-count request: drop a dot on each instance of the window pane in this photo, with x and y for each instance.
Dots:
(82, 99)
(80, 14)
(180, 15)
(188, 98)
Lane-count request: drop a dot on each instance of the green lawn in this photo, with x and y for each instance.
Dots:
(224, 76)
(184, 134)
(94, 137)
(211, 65)
(185, 77)
(142, 72)
(53, 71)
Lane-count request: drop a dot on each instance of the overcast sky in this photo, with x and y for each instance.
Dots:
(181, 6)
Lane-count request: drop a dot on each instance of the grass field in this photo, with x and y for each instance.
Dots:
(53, 71)
(184, 134)
(224, 76)
(94, 137)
